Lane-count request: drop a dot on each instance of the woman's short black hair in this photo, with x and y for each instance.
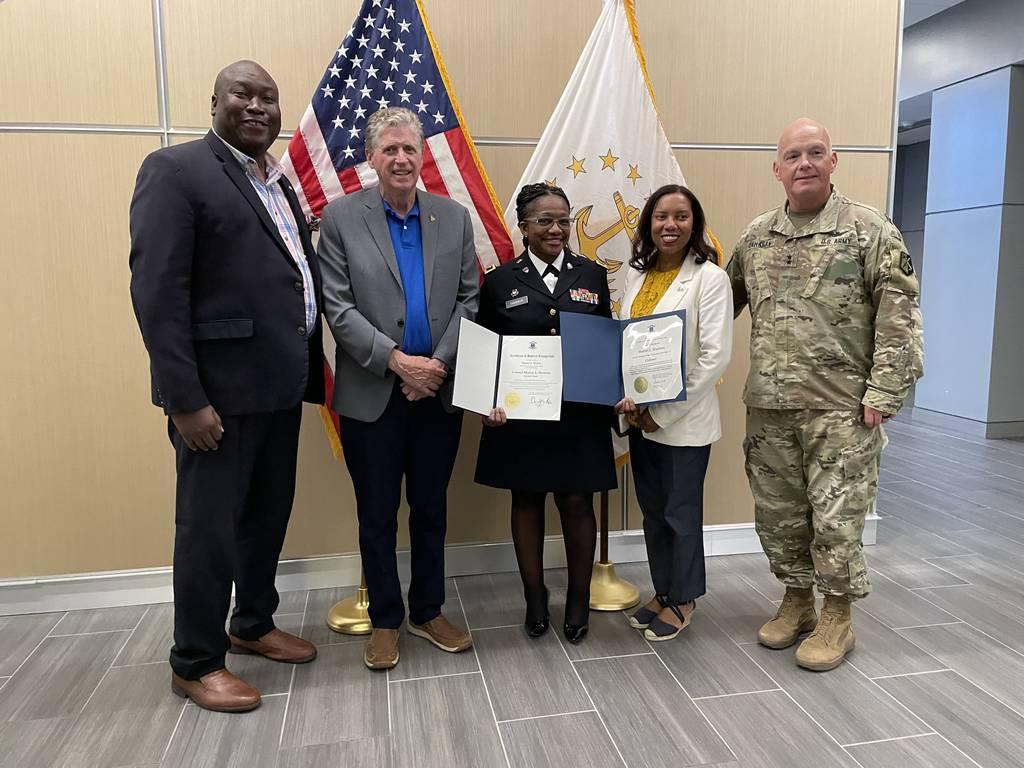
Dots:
(645, 252)
(531, 192)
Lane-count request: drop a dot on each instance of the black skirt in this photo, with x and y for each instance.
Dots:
(573, 455)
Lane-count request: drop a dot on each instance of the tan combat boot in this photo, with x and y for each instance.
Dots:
(831, 640)
(795, 615)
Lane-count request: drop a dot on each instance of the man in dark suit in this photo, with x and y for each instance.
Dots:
(400, 272)
(226, 286)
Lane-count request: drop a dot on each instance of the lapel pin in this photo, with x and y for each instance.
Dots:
(526, 269)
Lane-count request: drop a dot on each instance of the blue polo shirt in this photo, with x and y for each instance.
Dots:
(408, 243)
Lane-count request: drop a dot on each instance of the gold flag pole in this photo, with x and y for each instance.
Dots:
(608, 592)
(351, 616)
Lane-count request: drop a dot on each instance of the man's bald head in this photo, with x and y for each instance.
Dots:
(804, 162)
(245, 108)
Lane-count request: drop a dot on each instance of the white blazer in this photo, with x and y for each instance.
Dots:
(704, 291)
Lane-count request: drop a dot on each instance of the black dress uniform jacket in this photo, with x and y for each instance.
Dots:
(573, 455)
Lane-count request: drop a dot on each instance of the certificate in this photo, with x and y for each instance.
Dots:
(652, 358)
(522, 374)
(605, 360)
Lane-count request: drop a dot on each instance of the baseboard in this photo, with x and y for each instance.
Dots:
(153, 585)
(971, 427)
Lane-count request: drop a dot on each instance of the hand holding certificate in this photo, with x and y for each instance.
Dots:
(521, 374)
(642, 358)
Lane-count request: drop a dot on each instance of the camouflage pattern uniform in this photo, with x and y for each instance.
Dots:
(836, 325)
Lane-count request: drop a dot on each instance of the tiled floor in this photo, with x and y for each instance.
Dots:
(937, 678)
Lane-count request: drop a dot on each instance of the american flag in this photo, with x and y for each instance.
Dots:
(390, 58)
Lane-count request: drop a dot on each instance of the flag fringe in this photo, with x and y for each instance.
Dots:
(330, 431)
(467, 134)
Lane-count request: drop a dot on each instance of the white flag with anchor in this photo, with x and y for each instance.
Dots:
(604, 145)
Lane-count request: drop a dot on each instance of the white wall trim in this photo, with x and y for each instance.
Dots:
(153, 585)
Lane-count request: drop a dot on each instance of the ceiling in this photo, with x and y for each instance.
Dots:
(917, 10)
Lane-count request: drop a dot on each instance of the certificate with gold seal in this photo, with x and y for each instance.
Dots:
(605, 360)
(652, 358)
(521, 374)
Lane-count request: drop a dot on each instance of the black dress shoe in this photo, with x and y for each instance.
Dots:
(537, 626)
(574, 633)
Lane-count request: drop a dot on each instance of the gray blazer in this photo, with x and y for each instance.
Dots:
(364, 304)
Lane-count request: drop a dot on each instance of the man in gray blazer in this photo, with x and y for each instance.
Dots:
(399, 272)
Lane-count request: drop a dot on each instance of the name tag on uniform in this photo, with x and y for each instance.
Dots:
(516, 302)
(583, 295)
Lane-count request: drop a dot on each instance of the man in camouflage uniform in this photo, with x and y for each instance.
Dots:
(835, 345)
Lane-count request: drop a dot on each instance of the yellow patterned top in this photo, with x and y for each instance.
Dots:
(654, 287)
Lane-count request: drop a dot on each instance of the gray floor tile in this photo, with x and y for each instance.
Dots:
(268, 676)
(34, 743)
(292, 602)
(99, 620)
(336, 698)
(912, 508)
(19, 635)
(371, 752)
(990, 610)
(845, 703)
(916, 541)
(59, 677)
(908, 573)
(986, 730)
(217, 740)
(883, 651)
(152, 640)
(128, 721)
(986, 663)
(651, 719)
(981, 571)
(444, 722)
(314, 627)
(896, 606)
(557, 742)
(736, 607)
(708, 663)
(998, 549)
(919, 752)
(997, 522)
(767, 730)
(528, 678)
(609, 635)
(492, 600)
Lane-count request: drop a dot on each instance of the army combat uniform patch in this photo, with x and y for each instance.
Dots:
(906, 264)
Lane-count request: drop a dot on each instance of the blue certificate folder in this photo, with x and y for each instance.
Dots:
(592, 357)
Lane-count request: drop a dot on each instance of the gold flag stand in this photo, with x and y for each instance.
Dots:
(351, 616)
(608, 592)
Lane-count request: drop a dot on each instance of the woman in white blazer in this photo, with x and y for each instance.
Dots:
(672, 268)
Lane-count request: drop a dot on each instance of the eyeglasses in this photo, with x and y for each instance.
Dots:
(546, 222)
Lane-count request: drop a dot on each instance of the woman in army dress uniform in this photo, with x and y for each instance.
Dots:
(571, 458)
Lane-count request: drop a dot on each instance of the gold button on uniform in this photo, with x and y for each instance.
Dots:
(553, 331)
(553, 312)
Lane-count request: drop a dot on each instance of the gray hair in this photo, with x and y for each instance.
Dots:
(391, 117)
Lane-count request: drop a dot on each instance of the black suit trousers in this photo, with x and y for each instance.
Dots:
(232, 511)
(417, 440)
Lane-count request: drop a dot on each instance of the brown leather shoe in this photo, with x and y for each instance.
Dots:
(381, 649)
(277, 645)
(443, 634)
(218, 691)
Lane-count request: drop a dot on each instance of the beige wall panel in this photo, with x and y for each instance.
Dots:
(87, 61)
(293, 42)
(85, 464)
(510, 61)
(505, 166)
(737, 71)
